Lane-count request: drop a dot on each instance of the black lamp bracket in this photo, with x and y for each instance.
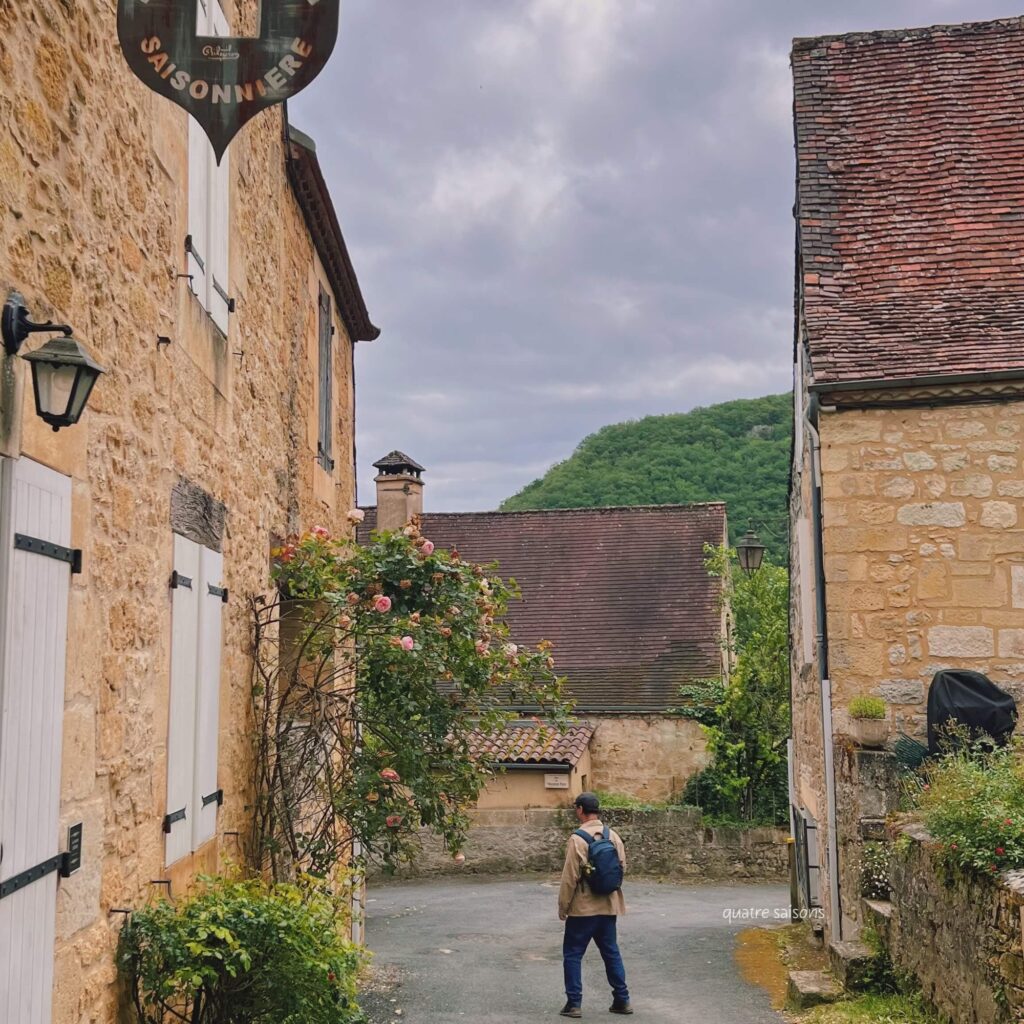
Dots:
(16, 325)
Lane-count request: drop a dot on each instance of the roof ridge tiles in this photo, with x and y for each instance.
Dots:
(900, 35)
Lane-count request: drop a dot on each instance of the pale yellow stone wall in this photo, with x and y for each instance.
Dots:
(93, 214)
(924, 550)
(525, 789)
(807, 733)
(924, 566)
(649, 757)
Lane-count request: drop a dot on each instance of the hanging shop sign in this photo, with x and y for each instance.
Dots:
(224, 81)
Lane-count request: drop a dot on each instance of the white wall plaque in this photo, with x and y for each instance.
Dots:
(556, 781)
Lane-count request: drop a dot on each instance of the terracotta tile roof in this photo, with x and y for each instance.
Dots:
(526, 743)
(622, 593)
(910, 201)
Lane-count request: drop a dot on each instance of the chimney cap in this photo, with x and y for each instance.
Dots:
(397, 463)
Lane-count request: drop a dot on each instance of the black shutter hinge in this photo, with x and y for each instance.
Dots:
(216, 797)
(170, 819)
(194, 253)
(228, 300)
(19, 881)
(177, 580)
(221, 592)
(73, 556)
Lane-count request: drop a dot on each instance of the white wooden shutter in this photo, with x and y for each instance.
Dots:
(181, 726)
(36, 502)
(205, 791)
(220, 289)
(200, 157)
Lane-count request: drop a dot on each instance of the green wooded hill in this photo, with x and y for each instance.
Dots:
(736, 452)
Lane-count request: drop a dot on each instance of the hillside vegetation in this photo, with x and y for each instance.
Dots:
(736, 452)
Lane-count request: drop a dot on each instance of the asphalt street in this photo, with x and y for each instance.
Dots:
(489, 951)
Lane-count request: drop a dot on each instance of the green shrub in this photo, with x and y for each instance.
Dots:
(243, 952)
(973, 805)
(867, 707)
(874, 871)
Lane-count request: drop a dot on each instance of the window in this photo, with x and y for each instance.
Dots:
(193, 795)
(208, 199)
(326, 328)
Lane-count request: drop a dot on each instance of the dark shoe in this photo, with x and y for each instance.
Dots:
(620, 1007)
(570, 1011)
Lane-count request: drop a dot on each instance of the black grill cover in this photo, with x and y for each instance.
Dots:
(974, 701)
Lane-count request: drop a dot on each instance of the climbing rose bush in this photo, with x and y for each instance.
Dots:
(373, 669)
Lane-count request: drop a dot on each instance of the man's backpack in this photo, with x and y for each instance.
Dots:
(603, 873)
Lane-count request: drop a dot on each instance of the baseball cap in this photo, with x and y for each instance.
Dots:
(588, 802)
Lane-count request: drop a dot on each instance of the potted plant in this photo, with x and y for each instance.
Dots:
(868, 724)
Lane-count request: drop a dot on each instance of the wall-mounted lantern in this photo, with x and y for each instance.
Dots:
(63, 372)
(750, 551)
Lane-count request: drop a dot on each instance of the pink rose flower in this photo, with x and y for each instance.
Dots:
(511, 650)
(427, 547)
(460, 859)
(381, 604)
(355, 515)
(320, 532)
(393, 820)
(481, 647)
(390, 775)
(408, 643)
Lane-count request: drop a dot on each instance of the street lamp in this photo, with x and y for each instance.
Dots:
(750, 551)
(63, 372)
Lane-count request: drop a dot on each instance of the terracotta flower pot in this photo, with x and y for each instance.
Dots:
(869, 732)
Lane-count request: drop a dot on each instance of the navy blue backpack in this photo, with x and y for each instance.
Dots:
(605, 874)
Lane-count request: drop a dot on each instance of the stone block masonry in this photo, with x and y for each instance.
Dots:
(958, 934)
(924, 546)
(665, 844)
(213, 436)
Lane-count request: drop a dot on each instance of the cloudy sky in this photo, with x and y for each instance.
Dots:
(565, 214)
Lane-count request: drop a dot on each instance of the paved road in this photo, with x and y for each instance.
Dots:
(489, 951)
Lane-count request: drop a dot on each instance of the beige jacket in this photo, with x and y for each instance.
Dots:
(574, 898)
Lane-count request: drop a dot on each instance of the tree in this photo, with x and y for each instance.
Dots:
(374, 665)
(737, 452)
(747, 718)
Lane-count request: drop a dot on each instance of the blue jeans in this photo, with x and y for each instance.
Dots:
(578, 933)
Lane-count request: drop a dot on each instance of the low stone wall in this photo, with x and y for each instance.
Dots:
(958, 934)
(666, 844)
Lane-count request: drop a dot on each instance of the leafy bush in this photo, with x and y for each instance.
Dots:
(746, 717)
(623, 802)
(867, 707)
(243, 952)
(874, 871)
(973, 805)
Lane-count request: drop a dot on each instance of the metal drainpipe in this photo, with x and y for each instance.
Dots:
(826, 683)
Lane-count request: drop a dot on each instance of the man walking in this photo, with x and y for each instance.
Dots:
(589, 902)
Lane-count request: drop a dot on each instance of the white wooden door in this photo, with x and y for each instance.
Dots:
(35, 502)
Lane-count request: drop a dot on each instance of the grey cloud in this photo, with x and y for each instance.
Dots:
(566, 213)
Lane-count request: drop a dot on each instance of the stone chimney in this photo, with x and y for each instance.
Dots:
(399, 490)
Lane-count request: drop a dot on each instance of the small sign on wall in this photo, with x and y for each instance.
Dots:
(556, 781)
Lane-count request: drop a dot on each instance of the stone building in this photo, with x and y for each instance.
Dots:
(537, 770)
(224, 307)
(624, 597)
(907, 485)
